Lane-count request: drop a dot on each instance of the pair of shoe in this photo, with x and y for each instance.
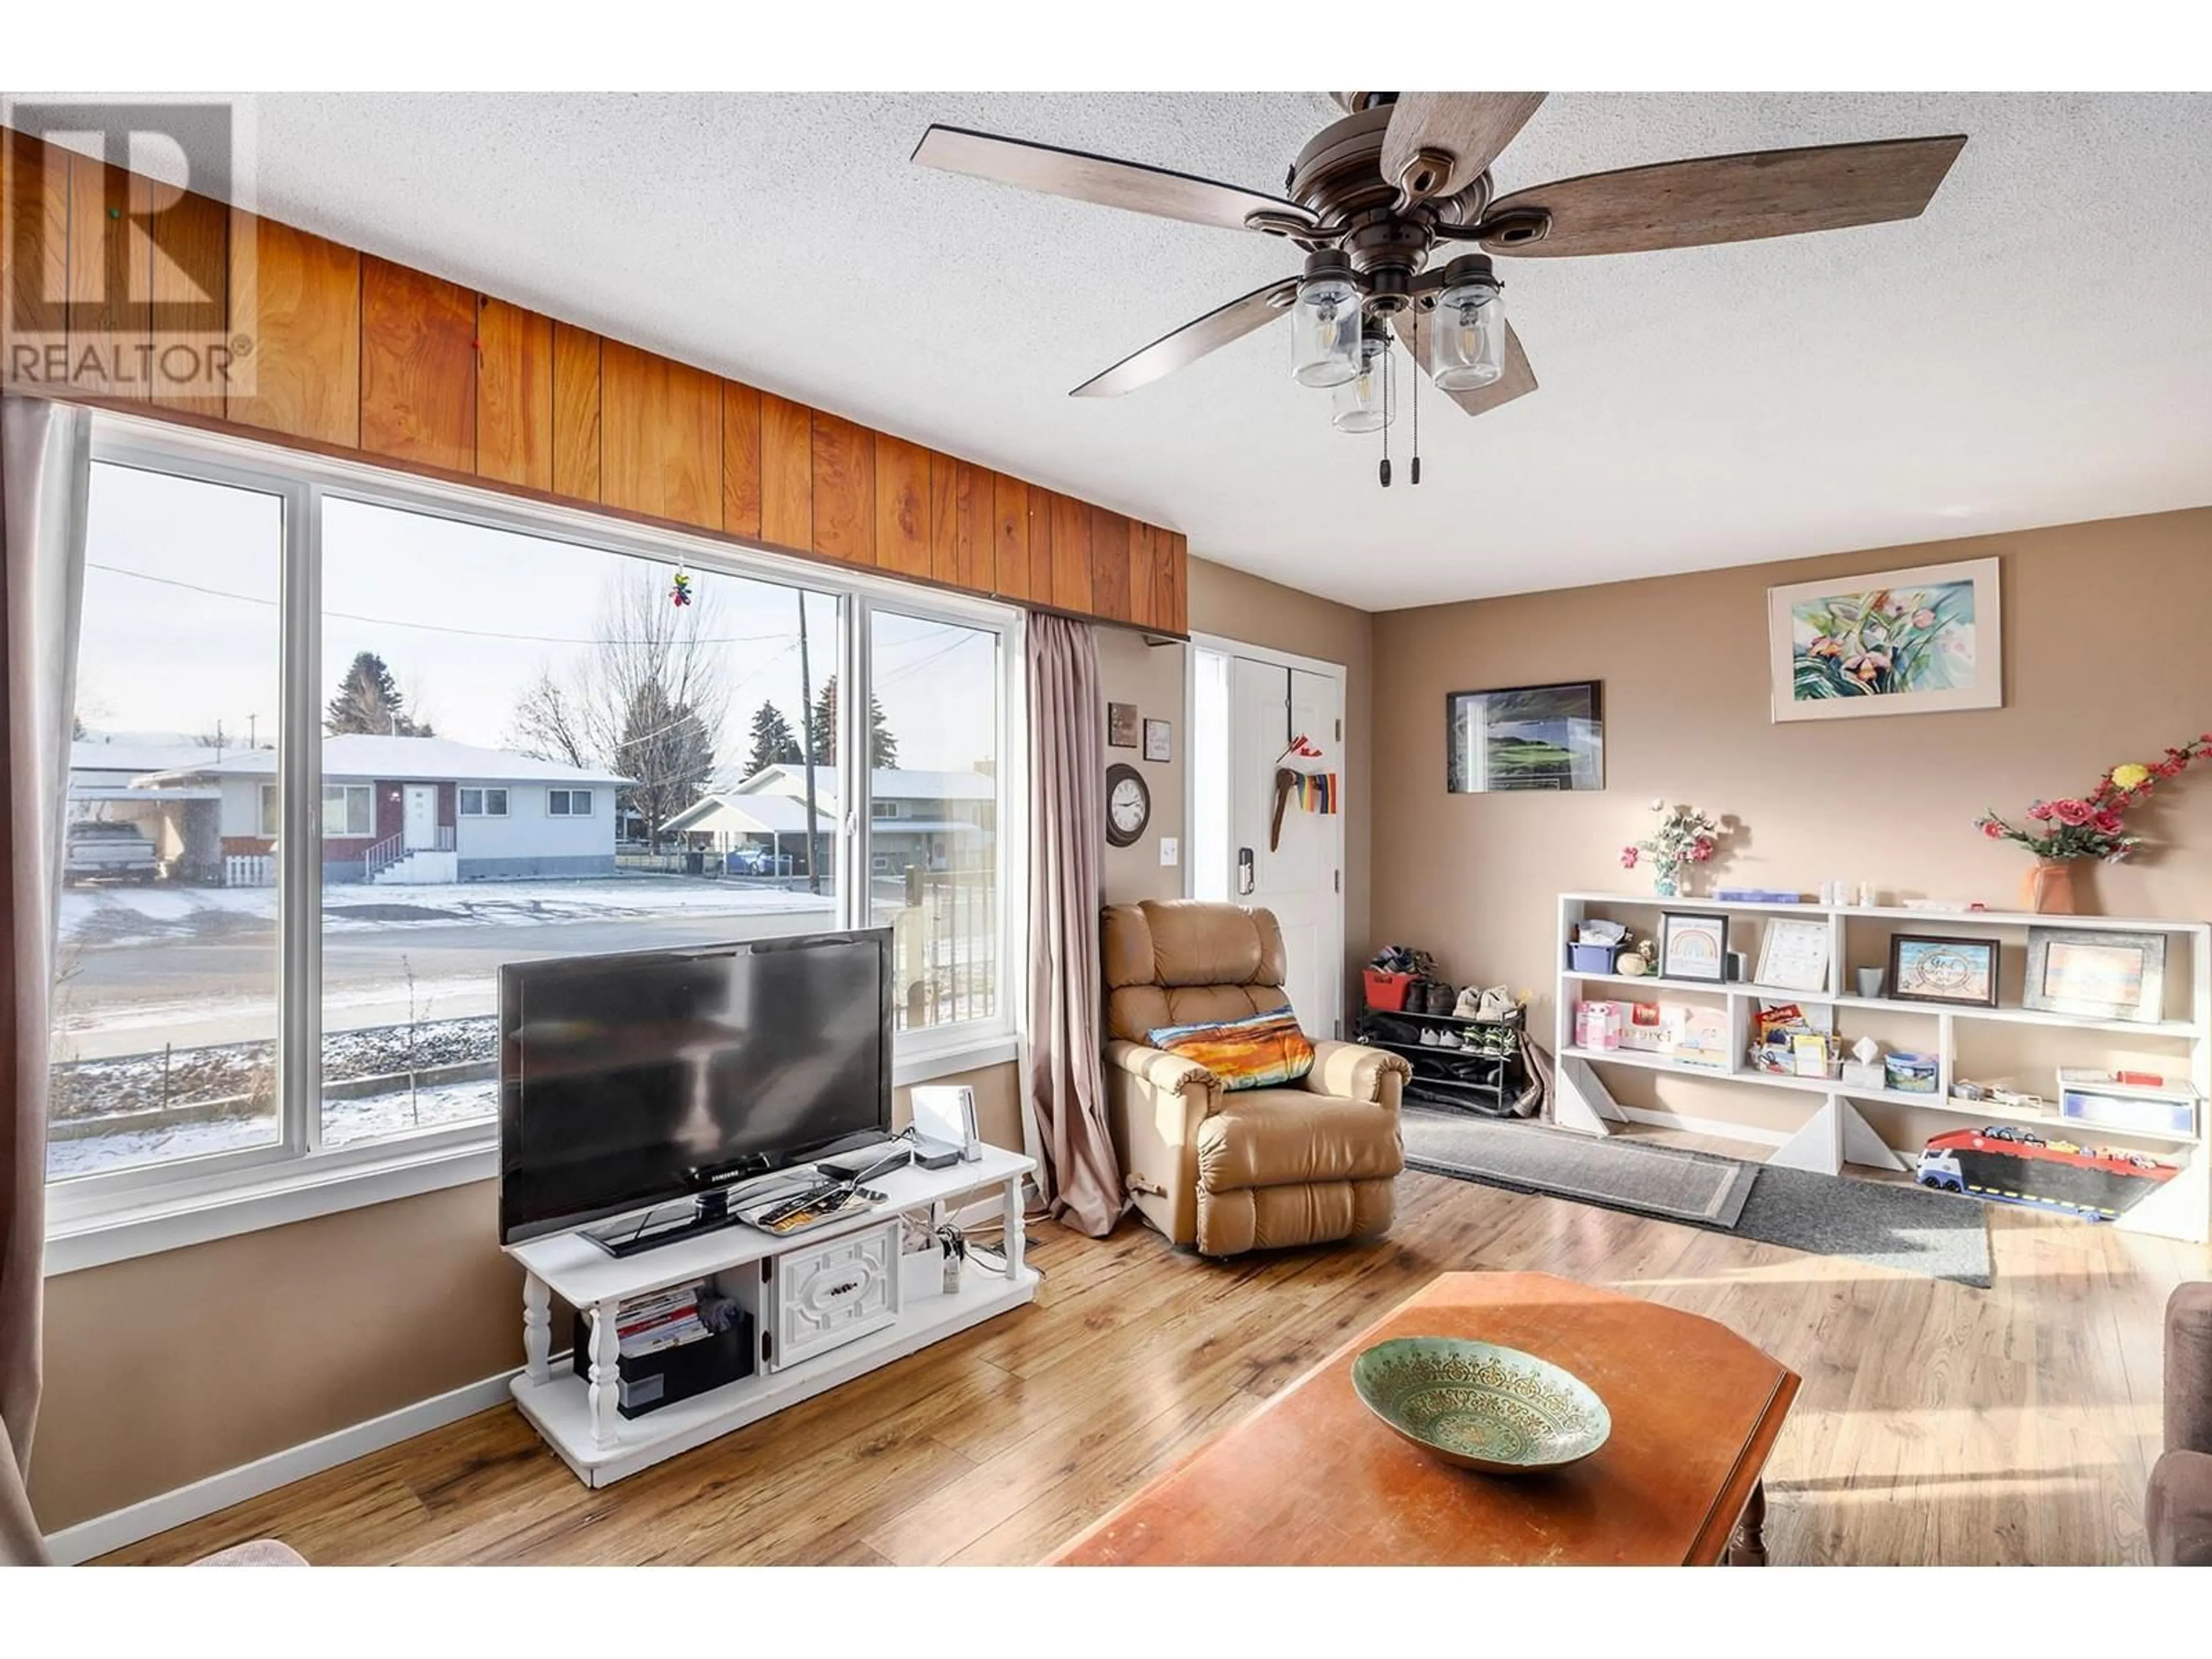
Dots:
(1492, 1005)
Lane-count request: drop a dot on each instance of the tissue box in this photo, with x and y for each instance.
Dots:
(1598, 1024)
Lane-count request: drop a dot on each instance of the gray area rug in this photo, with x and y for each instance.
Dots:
(1938, 1235)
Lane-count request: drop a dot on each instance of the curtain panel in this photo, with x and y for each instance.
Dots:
(1064, 1089)
(45, 475)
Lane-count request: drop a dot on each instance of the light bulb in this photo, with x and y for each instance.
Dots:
(1466, 342)
(1362, 403)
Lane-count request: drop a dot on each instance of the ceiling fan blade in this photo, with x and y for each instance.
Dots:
(1731, 198)
(1470, 128)
(1517, 382)
(1101, 178)
(1193, 341)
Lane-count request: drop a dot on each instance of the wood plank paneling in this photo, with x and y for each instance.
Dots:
(576, 458)
(418, 367)
(1071, 553)
(191, 261)
(296, 299)
(34, 201)
(514, 395)
(1142, 562)
(959, 520)
(844, 490)
(110, 276)
(1110, 565)
(1010, 537)
(1171, 582)
(786, 473)
(660, 436)
(902, 506)
(741, 459)
(1040, 545)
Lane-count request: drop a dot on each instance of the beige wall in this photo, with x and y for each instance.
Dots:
(2104, 661)
(1254, 611)
(170, 1367)
(1151, 676)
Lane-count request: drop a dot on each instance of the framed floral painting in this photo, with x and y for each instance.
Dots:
(1920, 641)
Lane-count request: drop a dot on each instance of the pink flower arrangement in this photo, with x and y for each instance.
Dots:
(2095, 825)
(1685, 835)
(1628, 857)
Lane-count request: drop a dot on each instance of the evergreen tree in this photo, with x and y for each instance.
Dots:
(775, 744)
(822, 723)
(369, 700)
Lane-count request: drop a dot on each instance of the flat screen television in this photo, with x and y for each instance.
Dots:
(631, 1080)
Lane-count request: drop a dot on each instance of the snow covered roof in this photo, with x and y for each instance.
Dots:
(134, 756)
(750, 815)
(887, 783)
(372, 758)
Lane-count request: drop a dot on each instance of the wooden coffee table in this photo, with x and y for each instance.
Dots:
(1314, 1478)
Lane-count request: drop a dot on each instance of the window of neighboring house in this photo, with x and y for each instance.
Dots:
(164, 1015)
(458, 620)
(348, 812)
(938, 714)
(883, 809)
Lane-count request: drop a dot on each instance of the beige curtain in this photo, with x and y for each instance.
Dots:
(44, 476)
(1066, 1091)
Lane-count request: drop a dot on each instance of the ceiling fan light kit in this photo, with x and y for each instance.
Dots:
(1370, 197)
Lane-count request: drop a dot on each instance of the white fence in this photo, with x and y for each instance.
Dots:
(249, 870)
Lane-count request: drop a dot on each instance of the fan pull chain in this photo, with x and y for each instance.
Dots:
(1387, 358)
(1416, 354)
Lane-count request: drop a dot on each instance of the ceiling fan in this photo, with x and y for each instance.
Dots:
(1374, 194)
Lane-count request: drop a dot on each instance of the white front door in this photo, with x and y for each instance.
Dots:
(1293, 869)
(421, 820)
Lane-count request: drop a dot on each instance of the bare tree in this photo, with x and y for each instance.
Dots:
(644, 700)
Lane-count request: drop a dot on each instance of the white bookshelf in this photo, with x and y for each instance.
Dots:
(1835, 1135)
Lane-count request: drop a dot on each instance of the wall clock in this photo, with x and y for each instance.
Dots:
(1128, 805)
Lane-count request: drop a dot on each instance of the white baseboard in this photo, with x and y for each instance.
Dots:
(97, 1536)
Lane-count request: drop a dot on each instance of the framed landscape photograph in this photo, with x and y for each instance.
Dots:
(1525, 737)
(1693, 945)
(2096, 975)
(1920, 641)
(1924, 968)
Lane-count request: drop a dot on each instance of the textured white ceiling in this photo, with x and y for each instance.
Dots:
(2036, 348)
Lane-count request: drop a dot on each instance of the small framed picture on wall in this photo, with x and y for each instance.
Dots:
(1121, 726)
(1159, 740)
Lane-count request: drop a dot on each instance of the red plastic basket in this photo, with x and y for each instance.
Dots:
(1386, 993)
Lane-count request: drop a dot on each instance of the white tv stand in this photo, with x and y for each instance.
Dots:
(578, 1416)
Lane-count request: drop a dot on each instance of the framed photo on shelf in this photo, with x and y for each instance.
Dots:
(1693, 945)
(2096, 975)
(1928, 968)
(1525, 737)
(1793, 955)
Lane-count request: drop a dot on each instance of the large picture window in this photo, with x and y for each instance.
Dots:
(496, 739)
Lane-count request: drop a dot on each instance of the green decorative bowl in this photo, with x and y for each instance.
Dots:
(1480, 1406)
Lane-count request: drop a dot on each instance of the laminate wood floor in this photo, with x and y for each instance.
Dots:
(1937, 1424)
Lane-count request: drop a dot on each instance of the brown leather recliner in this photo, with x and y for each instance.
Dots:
(1231, 1171)
(2177, 1509)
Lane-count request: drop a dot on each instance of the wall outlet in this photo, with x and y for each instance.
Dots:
(1170, 850)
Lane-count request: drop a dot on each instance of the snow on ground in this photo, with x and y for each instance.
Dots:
(125, 915)
(344, 1121)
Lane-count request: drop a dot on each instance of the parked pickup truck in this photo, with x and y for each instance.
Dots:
(109, 852)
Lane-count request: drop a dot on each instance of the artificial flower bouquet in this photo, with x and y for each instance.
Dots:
(2095, 825)
(1684, 835)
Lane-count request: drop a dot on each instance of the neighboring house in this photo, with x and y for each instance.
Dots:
(178, 819)
(421, 810)
(775, 824)
(935, 820)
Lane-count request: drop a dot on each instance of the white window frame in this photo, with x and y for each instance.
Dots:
(567, 809)
(112, 1217)
(483, 792)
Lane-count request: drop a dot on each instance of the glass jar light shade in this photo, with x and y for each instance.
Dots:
(1466, 339)
(1325, 323)
(1362, 403)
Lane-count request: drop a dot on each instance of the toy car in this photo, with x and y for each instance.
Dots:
(2010, 1165)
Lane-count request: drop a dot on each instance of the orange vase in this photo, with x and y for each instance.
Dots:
(2047, 889)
